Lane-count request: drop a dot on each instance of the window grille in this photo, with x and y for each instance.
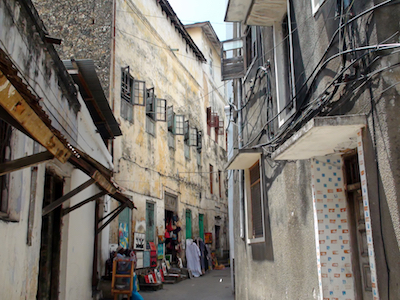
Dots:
(179, 124)
(199, 140)
(126, 85)
(139, 91)
(150, 103)
(193, 137)
(161, 110)
(221, 127)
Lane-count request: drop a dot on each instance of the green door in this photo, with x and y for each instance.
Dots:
(188, 224)
(201, 226)
(150, 226)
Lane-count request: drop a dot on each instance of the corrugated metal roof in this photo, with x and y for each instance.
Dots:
(93, 94)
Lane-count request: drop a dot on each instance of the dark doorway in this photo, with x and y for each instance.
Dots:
(359, 245)
(50, 244)
(217, 241)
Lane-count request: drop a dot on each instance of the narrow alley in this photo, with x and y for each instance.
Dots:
(215, 285)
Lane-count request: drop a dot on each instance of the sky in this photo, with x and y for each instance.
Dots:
(192, 11)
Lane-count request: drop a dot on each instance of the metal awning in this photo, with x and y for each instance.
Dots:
(256, 12)
(322, 136)
(244, 159)
(21, 109)
(84, 74)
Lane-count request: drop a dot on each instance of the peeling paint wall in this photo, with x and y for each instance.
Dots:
(147, 41)
(145, 165)
(288, 184)
(37, 63)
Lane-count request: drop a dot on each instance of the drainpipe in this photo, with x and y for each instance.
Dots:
(240, 144)
(95, 278)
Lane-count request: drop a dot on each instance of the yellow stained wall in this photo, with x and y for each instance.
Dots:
(144, 164)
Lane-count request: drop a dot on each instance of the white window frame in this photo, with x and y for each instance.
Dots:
(282, 89)
(248, 214)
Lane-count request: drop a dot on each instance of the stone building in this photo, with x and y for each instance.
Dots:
(165, 89)
(315, 178)
(56, 170)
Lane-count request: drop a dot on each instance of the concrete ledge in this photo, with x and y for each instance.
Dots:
(322, 136)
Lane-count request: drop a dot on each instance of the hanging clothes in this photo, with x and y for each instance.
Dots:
(193, 257)
(203, 258)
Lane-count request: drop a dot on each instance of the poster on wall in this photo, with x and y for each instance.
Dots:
(160, 251)
(208, 238)
(139, 242)
(123, 233)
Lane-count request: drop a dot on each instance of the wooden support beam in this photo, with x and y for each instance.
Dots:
(52, 206)
(106, 216)
(94, 197)
(24, 162)
(17, 107)
(121, 208)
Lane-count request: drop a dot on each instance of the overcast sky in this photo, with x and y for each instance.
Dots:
(192, 11)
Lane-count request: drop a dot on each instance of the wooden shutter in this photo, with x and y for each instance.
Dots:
(256, 207)
(170, 118)
(186, 131)
(188, 224)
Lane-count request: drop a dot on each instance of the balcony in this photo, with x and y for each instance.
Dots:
(256, 12)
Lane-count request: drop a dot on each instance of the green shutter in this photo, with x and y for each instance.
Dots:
(188, 224)
(201, 226)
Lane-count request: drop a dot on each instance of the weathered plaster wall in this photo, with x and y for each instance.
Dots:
(378, 100)
(21, 41)
(285, 265)
(145, 165)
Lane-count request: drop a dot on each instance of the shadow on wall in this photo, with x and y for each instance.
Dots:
(264, 251)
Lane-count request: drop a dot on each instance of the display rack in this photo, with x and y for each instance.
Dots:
(122, 277)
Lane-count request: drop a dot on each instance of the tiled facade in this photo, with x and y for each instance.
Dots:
(332, 226)
(364, 189)
(332, 229)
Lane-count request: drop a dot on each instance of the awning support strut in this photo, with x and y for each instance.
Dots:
(24, 162)
(121, 208)
(94, 197)
(52, 206)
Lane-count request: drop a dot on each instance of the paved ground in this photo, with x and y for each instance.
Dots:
(215, 285)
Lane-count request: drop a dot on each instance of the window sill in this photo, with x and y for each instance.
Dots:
(255, 241)
(6, 217)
